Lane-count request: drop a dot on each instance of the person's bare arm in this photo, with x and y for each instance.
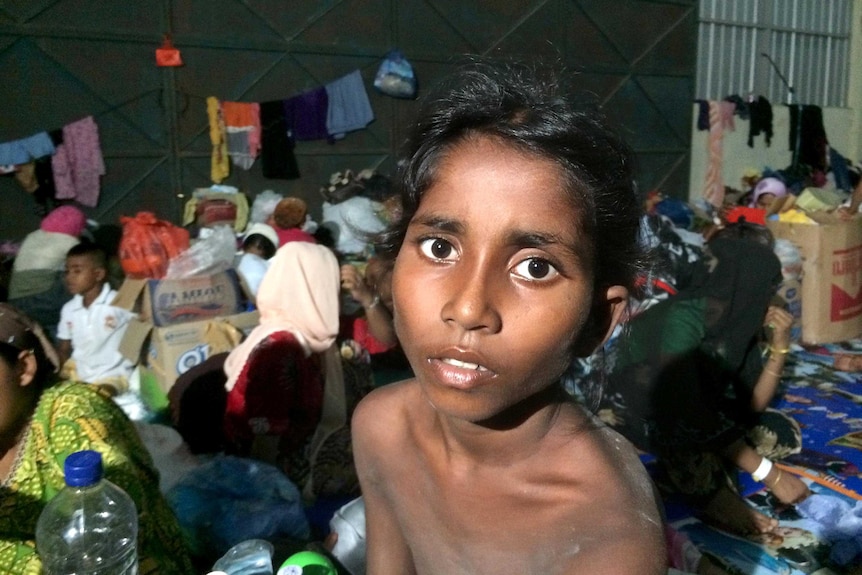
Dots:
(855, 201)
(380, 323)
(387, 551)
(64, 350)
(788, 488)
(376, 313)
(778, 323)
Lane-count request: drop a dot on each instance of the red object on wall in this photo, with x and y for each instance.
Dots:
(168, 55)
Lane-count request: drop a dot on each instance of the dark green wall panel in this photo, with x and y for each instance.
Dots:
(65, 59)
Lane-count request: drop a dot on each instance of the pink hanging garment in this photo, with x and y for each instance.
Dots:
(78, 164)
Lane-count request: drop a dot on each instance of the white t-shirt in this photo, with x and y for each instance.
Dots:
(95, 333)
(252, 268)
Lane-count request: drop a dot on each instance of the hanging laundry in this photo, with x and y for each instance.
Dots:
(77, 163)
(306, 115)
(840, 170)
(36, 176)
(46, 192)
(25, 175)
(741, 106)
(242, 123)
(720, 119)
(220, 166)
(808, 139)
(349, 108)
(26, 149)
(760, 111)
(276, 151)
(702, 114)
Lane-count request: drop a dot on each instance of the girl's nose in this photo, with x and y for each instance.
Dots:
(472, 301)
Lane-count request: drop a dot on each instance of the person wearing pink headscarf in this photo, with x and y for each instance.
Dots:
(277, 376)
(36, 286)
(767, 191)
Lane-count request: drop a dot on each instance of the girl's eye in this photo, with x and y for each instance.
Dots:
(437, 249)
(536, 269)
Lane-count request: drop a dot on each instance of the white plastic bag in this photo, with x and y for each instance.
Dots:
(208, 255)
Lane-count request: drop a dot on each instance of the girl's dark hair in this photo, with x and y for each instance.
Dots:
(529, 110)
(261, 242)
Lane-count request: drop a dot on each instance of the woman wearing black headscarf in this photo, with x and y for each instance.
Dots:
(691, 384)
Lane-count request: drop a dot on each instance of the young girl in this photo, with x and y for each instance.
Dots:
(516, 252)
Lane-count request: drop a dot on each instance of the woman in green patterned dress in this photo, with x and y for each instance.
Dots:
(42, 422)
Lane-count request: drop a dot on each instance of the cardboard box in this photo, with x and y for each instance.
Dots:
(831, 253)
(170, 351)
(172, 301)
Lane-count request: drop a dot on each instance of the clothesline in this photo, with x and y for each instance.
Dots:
(135, 98)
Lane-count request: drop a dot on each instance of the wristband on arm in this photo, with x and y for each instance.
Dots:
(762, 470)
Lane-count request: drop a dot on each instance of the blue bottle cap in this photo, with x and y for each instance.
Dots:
(83, 468)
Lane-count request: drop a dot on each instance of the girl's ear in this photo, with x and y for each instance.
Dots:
(27, 367)
(608, 309)
(617, 300)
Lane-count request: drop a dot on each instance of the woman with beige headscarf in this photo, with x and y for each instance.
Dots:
(277, 376)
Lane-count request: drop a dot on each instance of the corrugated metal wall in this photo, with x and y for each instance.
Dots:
(66, 59)
(773, 45)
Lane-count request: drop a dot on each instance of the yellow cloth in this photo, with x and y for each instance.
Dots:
(218, 137)
(69, 372)
(795, 216)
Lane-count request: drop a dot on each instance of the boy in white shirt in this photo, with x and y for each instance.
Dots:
(90, 328)
(258, 246)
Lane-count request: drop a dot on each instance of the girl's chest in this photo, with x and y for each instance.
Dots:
(493, 513)
(479, 529)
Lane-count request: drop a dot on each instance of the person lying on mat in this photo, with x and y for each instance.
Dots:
(516, 253)
(690, 384)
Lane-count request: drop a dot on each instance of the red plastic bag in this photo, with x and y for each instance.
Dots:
(148, 244)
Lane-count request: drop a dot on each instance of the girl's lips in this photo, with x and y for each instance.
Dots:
(459, 374)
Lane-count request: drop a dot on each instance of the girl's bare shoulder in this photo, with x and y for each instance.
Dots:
(384, 410)
(616, 461)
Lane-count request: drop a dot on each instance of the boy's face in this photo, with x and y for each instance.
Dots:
(83, 274)
(254, 249)
(493, 286)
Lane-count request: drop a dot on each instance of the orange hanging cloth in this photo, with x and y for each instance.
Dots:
(168, 55)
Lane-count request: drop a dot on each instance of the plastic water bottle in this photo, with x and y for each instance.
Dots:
(91, 526)
(249, 557)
